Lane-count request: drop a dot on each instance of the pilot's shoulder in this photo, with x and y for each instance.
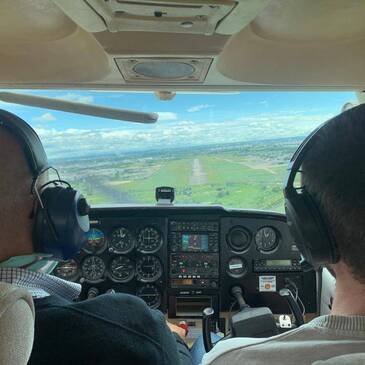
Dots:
(116, 307)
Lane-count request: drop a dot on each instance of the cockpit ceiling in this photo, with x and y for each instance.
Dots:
(183, 44)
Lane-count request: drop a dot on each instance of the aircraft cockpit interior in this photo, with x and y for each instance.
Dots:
(176, 121)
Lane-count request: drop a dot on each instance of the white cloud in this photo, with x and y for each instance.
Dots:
(182, 133)
(46, 117)
(87, 99)
(198, 108)
(165, 116)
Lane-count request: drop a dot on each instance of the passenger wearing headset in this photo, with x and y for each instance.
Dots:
(42, 221)
(326, 216)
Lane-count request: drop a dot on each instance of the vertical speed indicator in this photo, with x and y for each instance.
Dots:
(148, 269)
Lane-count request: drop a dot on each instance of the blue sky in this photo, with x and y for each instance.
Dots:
(189, 119)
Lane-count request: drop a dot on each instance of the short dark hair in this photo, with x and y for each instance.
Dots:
(334, 174)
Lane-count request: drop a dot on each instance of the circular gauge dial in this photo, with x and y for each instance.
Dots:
(149, 240)
(266, 239)
(148, 268)
(150, 294)
(121, 241)
(67, 270)
(93, 268)
(95, 241)
(237, 267)
(121, 269)
(239, 239)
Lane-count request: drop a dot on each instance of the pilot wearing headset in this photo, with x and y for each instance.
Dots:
(326, 216)
(42, 221)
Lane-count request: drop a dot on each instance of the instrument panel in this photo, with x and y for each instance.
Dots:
(179, 259)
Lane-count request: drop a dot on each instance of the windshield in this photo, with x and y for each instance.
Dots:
(214, 148)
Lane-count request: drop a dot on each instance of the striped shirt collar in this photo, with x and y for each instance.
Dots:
(40, 285)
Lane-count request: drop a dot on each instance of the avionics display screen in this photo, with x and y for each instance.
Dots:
(194, 243)
(278, 263)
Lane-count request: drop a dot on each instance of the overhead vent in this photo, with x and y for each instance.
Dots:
(164, 70)
(172, 16)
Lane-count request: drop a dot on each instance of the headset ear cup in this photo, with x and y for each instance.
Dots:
(296, 217)
(325, 250)
(60, 230)
(309, 230)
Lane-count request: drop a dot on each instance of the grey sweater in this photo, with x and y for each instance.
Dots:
(331, 338)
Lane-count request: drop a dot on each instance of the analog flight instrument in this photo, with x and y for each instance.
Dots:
(95, 241)
(149, 240)
(67, 270)
(121, 241)
(121, 269)
(237, 267)
(93, 268)
(266, 239)
(148, 268)
(150, 294)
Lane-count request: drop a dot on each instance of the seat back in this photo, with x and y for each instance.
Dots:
(16, 325)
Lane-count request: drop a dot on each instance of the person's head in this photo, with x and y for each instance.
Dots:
(334, 175)
(16, 200)
(47, 218)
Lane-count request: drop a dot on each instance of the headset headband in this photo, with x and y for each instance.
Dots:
(30, 142)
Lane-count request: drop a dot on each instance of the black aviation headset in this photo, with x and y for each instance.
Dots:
(61, 213)
(306, 223)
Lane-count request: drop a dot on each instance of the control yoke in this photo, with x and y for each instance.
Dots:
(248, 322)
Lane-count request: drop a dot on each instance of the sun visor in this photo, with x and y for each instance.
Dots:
(302, 43)
(75, 58)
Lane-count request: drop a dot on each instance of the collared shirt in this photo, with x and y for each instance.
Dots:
(40, 285)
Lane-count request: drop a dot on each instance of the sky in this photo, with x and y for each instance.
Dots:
(187, 120)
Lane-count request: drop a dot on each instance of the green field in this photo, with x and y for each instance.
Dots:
(249, 176)
(230, 183)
